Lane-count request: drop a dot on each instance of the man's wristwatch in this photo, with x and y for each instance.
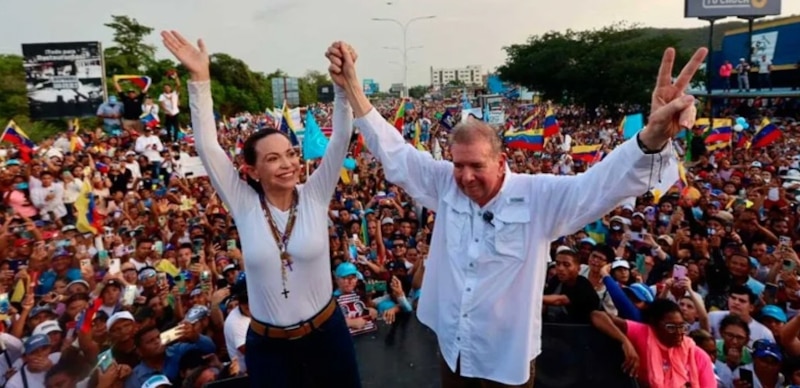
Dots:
(646, 150)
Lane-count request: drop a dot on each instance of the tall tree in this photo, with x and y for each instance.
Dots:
(129, 54)
(309, 84)
(418, 91)
(612, 66)
(13, 93)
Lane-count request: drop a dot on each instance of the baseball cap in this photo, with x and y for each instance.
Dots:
(620, 264)
(195, 292)
(346, 269)
(589, 240)
(47, 327)
(156, 381)
(229, 267)
(641, 292)
(119, 316)
(196, 313)
(774, 312)
(40, 309)
(36, 342)
(766, 348)
(387, 221)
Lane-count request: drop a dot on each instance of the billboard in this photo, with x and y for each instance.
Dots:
(64, 79)
(325, 93)
(370, 87)
(725, 8)
(285, 89)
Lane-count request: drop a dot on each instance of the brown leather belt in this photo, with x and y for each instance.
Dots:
(297, 331)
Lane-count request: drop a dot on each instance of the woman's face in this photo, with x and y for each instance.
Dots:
(734, 337)
(688, 309)
(671, 329)
(277, 163)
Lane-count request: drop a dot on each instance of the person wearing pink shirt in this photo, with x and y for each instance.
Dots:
(725, 72)
(658, 353)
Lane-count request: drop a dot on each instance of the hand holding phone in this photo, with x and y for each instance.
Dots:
(679, 272)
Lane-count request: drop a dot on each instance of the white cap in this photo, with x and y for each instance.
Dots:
(47, 327)
(118, 316)
(620, 264)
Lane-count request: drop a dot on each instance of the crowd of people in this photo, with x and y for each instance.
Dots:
(122, 269)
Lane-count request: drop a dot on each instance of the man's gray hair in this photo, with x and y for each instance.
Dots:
(475, 131)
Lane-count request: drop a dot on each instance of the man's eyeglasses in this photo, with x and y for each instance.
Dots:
(673, 328)
(734, 337)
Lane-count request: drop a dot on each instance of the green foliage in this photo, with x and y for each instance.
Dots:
(615, 65)
(417, 91)
(236, 87)
(130, 54)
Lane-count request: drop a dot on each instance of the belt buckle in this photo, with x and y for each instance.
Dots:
(294, 327)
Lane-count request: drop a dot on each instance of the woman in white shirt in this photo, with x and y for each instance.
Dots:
(298, 335)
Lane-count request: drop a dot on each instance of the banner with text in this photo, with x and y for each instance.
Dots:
(64, 79)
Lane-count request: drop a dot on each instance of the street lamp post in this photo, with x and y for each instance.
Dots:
(405, 47)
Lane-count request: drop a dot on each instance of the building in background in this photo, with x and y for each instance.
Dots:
(467, 76)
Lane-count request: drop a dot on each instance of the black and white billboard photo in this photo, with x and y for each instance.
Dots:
(64, 79)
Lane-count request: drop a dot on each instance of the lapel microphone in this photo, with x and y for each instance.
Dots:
(488, 217)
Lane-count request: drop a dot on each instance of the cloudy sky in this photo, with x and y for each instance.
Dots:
(293, 34)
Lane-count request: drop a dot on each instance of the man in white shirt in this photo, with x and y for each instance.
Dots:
(150, 146)
(236, 324)
(37, 360)
(482, 293)
(49, 198)
(169, 101)
(764, 70)
(741, 302)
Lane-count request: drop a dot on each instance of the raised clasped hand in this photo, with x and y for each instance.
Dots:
(342, 58)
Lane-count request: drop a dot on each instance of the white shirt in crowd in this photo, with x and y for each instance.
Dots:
(149, 146)
(309, 281)
(483, 287)
(12, 351)
(55, 204)
(136, 171)
(151, 108)
(235, 330)
(757, 330)
(35, 380)
(72, 190)
(170, 103)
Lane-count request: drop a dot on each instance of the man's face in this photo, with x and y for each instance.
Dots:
(566, 268)
(151, 345)
(739, 305)
(477, 170)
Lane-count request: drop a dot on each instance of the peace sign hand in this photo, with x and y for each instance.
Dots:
(671, 109)
(195, 59)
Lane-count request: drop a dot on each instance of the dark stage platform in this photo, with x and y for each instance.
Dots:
(406, 356)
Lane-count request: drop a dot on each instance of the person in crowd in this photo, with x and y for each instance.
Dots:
(658, 353)
(292, 311)
(488, 245)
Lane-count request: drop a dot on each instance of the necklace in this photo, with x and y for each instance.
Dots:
(282, 239)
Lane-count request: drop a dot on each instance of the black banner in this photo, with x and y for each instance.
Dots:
(64, 79)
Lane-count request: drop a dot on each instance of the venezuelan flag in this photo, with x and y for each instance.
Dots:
(586, 153)
(531, 140)
(742, 141)
(89, 218)
(14, 135)
(551, 126)
(400, 116)
(767, 135)
(287, 126)
(417, 133)
(719, 138)
(149, 120)
(143, 82)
